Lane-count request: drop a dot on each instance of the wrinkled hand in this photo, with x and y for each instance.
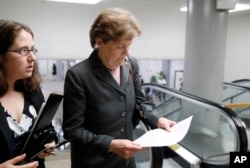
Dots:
(50, 150)
(12, 163)
(124, 148)
(165, 123)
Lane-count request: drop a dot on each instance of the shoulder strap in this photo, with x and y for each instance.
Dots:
(137, 115)
(131, 69)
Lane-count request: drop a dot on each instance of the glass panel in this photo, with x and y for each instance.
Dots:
(235, 95)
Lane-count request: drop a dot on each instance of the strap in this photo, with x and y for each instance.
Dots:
(137, 113)
(131, 69)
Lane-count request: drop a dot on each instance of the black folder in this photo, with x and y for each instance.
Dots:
(43, 120)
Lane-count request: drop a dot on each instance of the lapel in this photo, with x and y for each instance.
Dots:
(5, 128)
(103, 74)
(36, 98)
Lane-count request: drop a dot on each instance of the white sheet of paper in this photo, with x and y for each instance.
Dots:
(159, 137)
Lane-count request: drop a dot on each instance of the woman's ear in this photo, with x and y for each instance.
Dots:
(98, 42)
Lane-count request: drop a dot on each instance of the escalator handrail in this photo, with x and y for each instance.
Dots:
(239, 124)
(241, 80)
(237, 86)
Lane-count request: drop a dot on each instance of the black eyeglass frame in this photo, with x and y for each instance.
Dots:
(24, 51)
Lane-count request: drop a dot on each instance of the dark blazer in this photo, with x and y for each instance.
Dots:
(36, 98)
(96, 110)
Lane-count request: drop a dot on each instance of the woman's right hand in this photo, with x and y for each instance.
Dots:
(125, 148)
(12, 163)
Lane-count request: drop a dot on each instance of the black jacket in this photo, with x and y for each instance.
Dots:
(36, 98)
(96, 110)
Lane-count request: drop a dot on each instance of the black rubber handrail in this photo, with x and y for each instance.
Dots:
(241, 80)
(237, 86)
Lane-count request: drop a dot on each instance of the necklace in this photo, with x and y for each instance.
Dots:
(110, 70)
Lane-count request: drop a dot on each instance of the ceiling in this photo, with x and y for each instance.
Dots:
(140, 6)
(172, 3)
(137, 5)
(161, 20)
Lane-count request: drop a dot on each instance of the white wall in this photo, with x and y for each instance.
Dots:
(238, 48)
(61, 30)
(175, 65)
(149, 67)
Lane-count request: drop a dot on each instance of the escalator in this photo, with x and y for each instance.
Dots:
(215, 131)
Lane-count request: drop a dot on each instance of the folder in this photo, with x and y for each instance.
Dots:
(34, 144)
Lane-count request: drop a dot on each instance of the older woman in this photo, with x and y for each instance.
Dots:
(101, 95)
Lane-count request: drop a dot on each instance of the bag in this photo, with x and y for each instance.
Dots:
(135, 117)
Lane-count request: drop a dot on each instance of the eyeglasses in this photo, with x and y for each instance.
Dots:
(24, 51)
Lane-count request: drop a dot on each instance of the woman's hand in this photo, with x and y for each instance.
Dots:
(50, 150)
(12, 163)
(165, 123)
(124, 148)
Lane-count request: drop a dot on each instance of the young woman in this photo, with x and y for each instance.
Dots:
(20, 93)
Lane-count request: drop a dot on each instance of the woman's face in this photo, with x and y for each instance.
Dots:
(113, 53)
(17, 66)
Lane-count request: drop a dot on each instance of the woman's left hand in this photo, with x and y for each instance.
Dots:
(165, 123)
(50, 150)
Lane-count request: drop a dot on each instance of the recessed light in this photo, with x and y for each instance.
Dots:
(77, 1)
(238, 7)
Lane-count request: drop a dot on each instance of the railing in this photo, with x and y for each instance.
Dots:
(244, 82)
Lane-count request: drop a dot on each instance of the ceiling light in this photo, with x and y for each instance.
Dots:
(77, 1)
(183, 9)
(238, 7)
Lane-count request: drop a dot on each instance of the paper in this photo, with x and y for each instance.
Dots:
(159, 137)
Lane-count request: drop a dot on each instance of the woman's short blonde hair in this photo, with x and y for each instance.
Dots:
(114, 24)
